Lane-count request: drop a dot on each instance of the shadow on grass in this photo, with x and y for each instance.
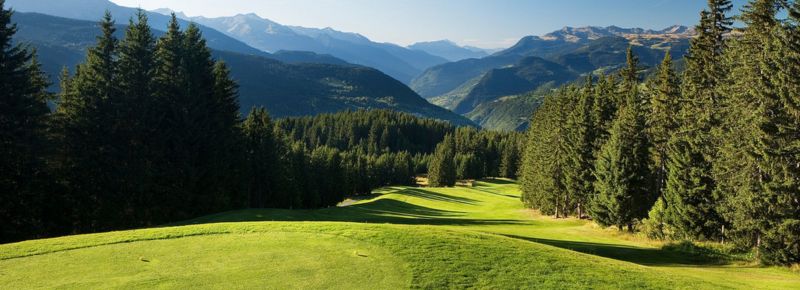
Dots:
(435, 196)
(641, 256)
(494, 193)
(496, 181)
(379, 211)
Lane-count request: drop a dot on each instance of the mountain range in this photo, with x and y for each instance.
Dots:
(480, 88)
(285, 89)
(399, 62)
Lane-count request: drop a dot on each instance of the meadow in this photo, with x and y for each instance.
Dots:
(400, 237)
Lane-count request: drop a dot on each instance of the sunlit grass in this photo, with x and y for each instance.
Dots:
(401, 237)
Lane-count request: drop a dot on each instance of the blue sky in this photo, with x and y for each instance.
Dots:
(482, 23)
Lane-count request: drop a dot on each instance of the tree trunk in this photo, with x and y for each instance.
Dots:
(758, 245)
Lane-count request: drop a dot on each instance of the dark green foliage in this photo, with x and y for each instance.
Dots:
(511, 156)
(624, 186)
(544, 158)
(83, 125)
(261, 176)
(604, 109)
(691, 202)
(442, 169)
(23, 144)
(664, 102)
(578, 176)
(373, 132)
(148, 130)
(758, 173)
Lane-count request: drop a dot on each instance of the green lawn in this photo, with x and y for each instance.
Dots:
(434, 238)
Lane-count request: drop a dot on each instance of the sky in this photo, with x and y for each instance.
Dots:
(481, 23)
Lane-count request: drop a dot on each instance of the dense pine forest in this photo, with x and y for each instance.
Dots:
(709, 154)
(147, 131)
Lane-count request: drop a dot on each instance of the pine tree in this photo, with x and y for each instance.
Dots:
(542, 167)
(133, 131)
(510, 158)
(578, 176)
(23, 121)
(664, 103)
(170, 76)
(757, 173)
(691, 202)
(603, 110)
(84, 124)
(442, 170)
(261, 160)
(623, 186)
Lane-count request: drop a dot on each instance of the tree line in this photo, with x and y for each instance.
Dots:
(147, 131)
(711, 153)
(469, 153)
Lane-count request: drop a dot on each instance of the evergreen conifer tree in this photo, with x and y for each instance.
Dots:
(442, 170)
(84, 124)
(623, 186)
(578, 176)
(260, 158)
(23, 122)
(691, 202)
(664, 103)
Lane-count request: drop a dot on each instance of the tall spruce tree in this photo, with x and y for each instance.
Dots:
(690, 196)
(23, 121)
(84, 125)
(134, 130)
(603, 109)
(442, 169)
(758, 172)
(664, 103)
(580, 135)
(623, 186)
(260, 158)
(543, 162)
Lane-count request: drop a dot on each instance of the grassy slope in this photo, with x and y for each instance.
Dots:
(401, 237)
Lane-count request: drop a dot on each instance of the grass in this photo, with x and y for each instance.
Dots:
(434, 238)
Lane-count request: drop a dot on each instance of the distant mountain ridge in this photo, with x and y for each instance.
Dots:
(93, 10)
(577, 34)
(399, 62)
(449, 50)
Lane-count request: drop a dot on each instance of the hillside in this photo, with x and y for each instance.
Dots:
(285, 89)
(402, 237)
(310, 89)
(510, 113)
(529, 74)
